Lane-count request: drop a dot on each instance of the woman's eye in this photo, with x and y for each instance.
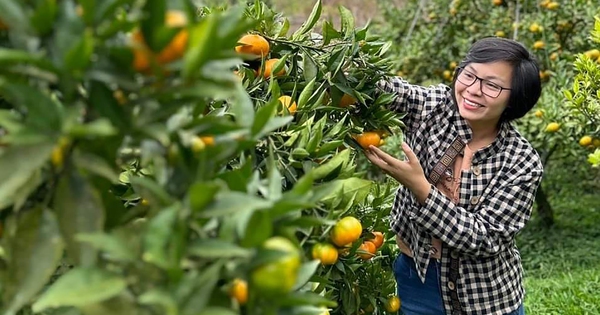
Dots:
(493, 86)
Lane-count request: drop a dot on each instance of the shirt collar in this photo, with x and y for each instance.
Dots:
(465, 133)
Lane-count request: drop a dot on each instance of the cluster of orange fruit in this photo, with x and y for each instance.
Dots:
(343, 234)
(371, 138)
(144, 57)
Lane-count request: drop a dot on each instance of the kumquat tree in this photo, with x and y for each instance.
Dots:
(162, 158)
(206, 157)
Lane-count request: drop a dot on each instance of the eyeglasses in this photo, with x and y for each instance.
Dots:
(486, 87)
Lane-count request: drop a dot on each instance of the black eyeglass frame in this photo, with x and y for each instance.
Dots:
(481, 80)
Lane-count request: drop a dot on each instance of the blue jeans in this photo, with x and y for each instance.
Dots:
(418, 298)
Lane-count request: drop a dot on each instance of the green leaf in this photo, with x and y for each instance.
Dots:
(201, 194)
(34, 253)
(80, 287)
(348, 188)
(329, 33)
(347, 22)
(158, 236)
(310, 67)
(215, 310)
(95, 165)
(195, 290)
(98, 128)
(256, 230)
(273, 124)
(316, 135)
(263, 115)
(200, 48)
(19, 163)
(307, 270)
(310, 21)
(79, 209)
(43, 113)
(79, 56)
(152, 22)
(11, 57)
(44, 15)
(274, 179)
(111, 245)
(306, 93)
(215, 249)
(231, 202)
(122, 304)
(331, 166)
(160, 298)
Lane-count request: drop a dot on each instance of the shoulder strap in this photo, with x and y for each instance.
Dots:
(438, 170)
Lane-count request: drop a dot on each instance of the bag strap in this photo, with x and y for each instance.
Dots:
(438, 170)
(436, 174)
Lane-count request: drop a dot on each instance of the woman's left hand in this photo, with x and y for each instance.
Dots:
(408, 173)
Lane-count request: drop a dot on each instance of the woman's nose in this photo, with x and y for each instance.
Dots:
(475, 88)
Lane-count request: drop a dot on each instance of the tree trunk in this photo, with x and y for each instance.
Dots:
(544, 208)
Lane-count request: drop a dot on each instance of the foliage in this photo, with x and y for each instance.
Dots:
(148, 168)
(584, 99)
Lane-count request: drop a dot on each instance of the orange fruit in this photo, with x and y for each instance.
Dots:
(269, 65)
(346, 231)
(208, 140)
(326, 253)
(447, 74)
(539, 113)
(253, 44)
(497, 2)
(393, 304)
(239, 291)
(539, 45)
(369, 248)
(596, 143)
(368, 138)
(346, 100)
(277, 276)
(171, 52)
(378, 239)
(289, 103)
(552, 127)
(585, 141)
(500, 34)
(198, 144)
(552, 5)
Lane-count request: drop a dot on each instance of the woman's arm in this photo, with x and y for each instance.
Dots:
(413, 100)
(491, 226)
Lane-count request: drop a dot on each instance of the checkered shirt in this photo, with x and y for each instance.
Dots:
(496, 198)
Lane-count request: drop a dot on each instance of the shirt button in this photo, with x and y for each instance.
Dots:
(451, 285)
(474, 200)
(454, 254)
(477, 170)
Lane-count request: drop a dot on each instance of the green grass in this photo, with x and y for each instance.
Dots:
(562, 264)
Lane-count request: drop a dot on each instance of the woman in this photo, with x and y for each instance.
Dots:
(467, 186)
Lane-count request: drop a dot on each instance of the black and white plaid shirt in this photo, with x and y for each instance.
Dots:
(496, 198)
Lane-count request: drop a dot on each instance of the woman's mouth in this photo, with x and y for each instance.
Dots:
(470, 105)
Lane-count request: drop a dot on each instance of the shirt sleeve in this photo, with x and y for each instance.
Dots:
(493, 224)
(413, 100)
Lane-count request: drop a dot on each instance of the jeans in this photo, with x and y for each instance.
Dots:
(418, 298)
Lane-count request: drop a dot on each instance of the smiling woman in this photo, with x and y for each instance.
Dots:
(467, 186)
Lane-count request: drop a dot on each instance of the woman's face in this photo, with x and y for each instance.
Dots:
(481, 91)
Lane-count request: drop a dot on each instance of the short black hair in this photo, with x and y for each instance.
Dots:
(526, 86)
